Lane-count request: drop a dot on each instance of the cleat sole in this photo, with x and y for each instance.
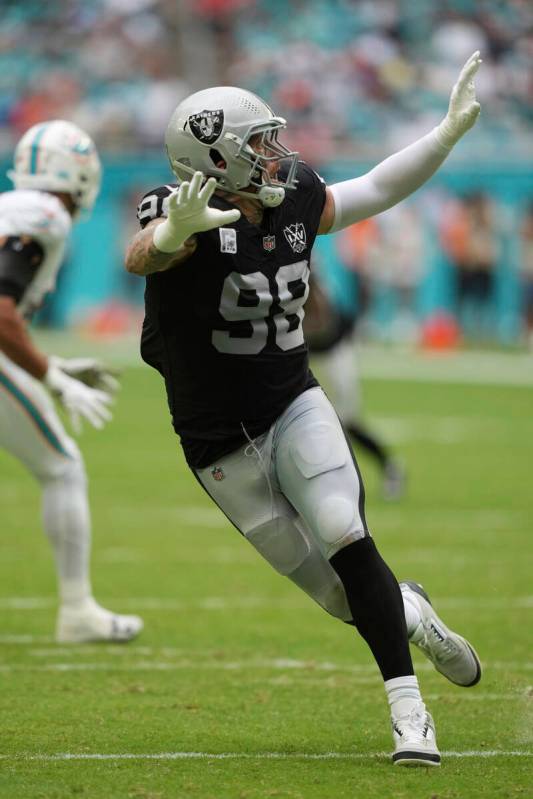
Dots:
(415, 759)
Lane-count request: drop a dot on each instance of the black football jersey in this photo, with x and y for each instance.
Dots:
(225, 327)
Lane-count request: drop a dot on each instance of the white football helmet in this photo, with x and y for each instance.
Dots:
(57, 156)
(210, 132)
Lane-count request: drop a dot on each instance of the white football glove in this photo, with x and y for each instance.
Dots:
(189, 213)
(464, 109)
(90, 371)
(79, 400)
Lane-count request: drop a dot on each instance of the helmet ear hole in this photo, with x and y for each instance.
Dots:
(217, 159)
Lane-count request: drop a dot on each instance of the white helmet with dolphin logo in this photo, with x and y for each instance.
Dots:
(58, 156)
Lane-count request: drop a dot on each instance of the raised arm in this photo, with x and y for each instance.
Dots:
(402, 173)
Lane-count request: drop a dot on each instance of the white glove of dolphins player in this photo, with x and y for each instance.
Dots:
(90, 371)
(464, 109)
(78, 399)
(189, 213)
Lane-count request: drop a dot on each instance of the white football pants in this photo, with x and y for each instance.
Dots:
(31, 431)
(295, 493)
(341, 377)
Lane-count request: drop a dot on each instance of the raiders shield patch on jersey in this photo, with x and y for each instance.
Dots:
(295, 235)
(206, 126)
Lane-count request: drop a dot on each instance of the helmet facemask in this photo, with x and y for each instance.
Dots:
(266, 151)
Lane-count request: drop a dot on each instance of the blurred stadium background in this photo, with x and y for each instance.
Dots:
(355, 80)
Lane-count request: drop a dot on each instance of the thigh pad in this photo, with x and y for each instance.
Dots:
(318, 448)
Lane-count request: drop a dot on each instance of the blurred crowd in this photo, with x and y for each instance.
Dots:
(436, 270)
(354, 77)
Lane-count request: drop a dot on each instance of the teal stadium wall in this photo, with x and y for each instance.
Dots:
(93, 275)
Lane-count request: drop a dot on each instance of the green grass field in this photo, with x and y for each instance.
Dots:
(239, 687)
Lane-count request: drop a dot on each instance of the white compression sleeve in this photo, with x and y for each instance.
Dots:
(389, 182)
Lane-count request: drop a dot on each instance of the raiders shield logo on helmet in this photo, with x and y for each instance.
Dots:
(206, 126)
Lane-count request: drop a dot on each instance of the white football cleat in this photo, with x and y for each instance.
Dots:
(450, 653)
(90, 622)
(413, 732)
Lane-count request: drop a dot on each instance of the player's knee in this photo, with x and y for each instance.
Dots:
(67, 469)
(323, 453)
(338, 522)
(280, 543)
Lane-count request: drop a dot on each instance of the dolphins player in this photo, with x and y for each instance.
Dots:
(56, 176)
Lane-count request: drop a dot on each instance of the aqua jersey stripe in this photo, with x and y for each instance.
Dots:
(35, 414)
(35, 149)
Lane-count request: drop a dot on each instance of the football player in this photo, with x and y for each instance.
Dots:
(225, 252)
(56, 176)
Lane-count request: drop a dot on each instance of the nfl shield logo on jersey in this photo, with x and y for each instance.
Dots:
(217, 473)
(269, 243)
(295, 235)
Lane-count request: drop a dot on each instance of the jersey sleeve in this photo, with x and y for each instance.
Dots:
(310, 198)
(37, 215)
(20, 258)
(313, 185)
(154, 204)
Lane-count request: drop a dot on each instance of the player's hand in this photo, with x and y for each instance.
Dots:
(189, 213)
(90, 371)
(464, 109)
(79, 400)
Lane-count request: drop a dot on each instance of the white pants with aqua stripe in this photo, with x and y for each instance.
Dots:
(296, 495)
(29, 425)
(31, 431)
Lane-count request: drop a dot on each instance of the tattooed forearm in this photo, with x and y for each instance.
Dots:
(143, 257)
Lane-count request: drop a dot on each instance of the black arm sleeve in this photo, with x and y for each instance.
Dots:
(20, 259)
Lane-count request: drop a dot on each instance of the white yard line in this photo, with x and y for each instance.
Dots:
(444, 429)
(25, 640)
(251, 755)
(279, 664)
(141, 603)
(376, 361)
(471, 367)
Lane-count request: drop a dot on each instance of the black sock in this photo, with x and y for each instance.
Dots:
(376, 603)
(368, 442)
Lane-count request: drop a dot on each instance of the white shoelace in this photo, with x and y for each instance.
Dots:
(417, 723)
(446, 649)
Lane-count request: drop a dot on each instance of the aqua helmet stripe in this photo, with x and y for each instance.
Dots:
(34, 154)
